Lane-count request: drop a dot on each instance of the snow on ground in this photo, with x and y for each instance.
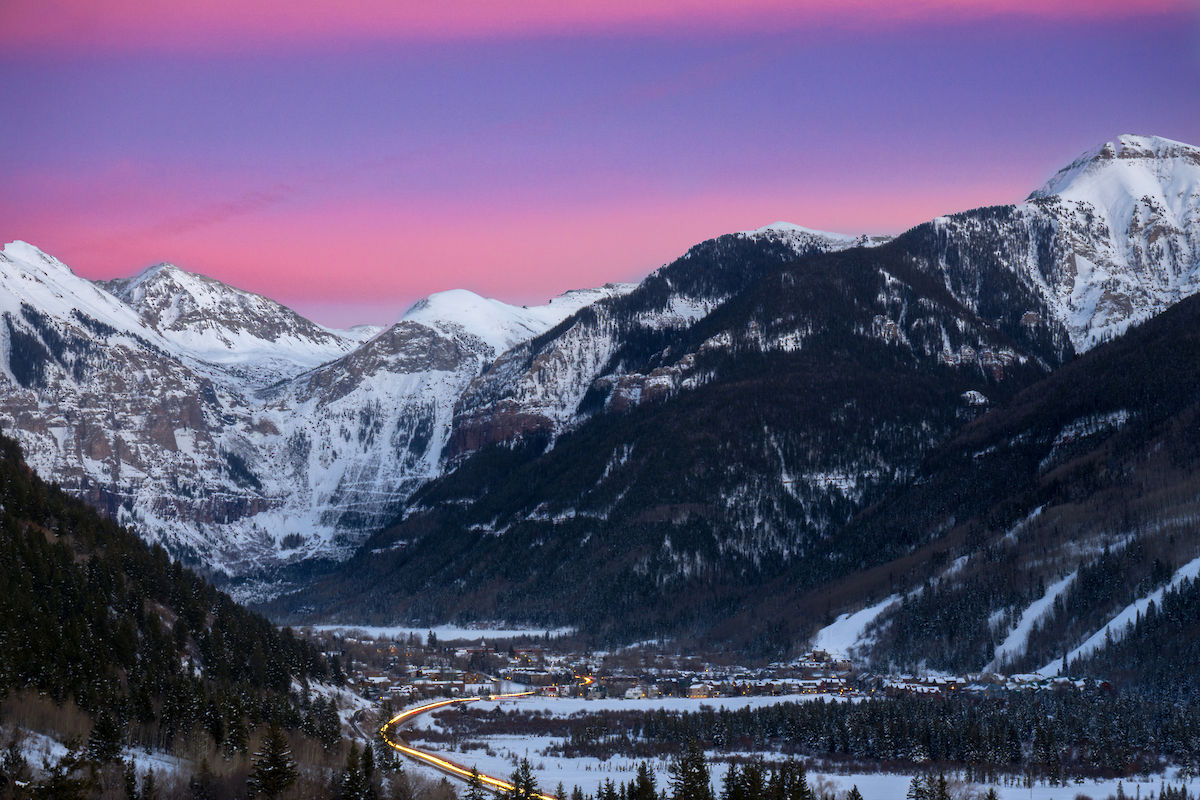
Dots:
(882, 786)
(566, 706)
(1014, 644)
(499, 324)
(501, 754)
(158, 761)
(444, 633)
(1116, 626)
(40, 750)
(846, 633)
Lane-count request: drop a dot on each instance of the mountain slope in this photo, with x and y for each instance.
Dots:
(222, 424)
(549, 382)
(716, 427)
(1038, 523)
(243, 436)
(91, 617)
(671, 508)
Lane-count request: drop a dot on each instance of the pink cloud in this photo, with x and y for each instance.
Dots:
(218, 25)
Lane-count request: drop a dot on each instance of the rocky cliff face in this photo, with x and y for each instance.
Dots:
(226, 426)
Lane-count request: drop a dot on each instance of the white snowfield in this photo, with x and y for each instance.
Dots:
(444, 633)
(847, 634)
(1016, 640)
(1115, 628)
(501, 754)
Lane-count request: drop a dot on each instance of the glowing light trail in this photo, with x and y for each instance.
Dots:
(443, 764)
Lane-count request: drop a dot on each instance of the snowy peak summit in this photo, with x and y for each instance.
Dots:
(1132, 163)
(30, 277)
(500, 325)
(1126, 217)
(221, 324)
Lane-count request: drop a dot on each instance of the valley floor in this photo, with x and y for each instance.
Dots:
(499, 755)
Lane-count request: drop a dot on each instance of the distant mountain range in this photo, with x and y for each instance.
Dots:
(730, 446)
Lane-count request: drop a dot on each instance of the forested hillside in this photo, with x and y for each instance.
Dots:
(107, 642)
(777, 416)
(1079, 494)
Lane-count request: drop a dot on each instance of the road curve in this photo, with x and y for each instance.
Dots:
(452, 768)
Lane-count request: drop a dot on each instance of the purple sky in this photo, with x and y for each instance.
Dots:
(348, 170)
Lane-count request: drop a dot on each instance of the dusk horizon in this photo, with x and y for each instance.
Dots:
(520, 155)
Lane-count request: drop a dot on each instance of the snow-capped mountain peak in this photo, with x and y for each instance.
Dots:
(500, 325)
(1127, 215)
(246, 333)
(31, 277)
(1132, 163)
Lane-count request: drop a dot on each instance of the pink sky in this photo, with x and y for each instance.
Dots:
(349, 158)
(217, 24)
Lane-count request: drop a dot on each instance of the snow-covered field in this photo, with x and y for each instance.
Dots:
(566, 706)
(590, 774)
(879, 786)
(444, 633)
(500, 756)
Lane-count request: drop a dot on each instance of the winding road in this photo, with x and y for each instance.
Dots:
(389, 729)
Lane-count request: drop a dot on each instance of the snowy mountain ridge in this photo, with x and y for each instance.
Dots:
(246, 435)
(500, 325)
(220, 422)
(31, 277)
(251, 336)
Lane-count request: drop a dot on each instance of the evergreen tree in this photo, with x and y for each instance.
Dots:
(104, 743)
(731, 787)
(129, 777)
(71, 776)
(524, 784)
(371, 775)
(274, 770)
(918, 789)
(854, 793)
(149, 786)
(689, 775)
(475, 790)
(329, 726)
(352, 784)
(202, 784)
(643, 785)
(14, 768)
